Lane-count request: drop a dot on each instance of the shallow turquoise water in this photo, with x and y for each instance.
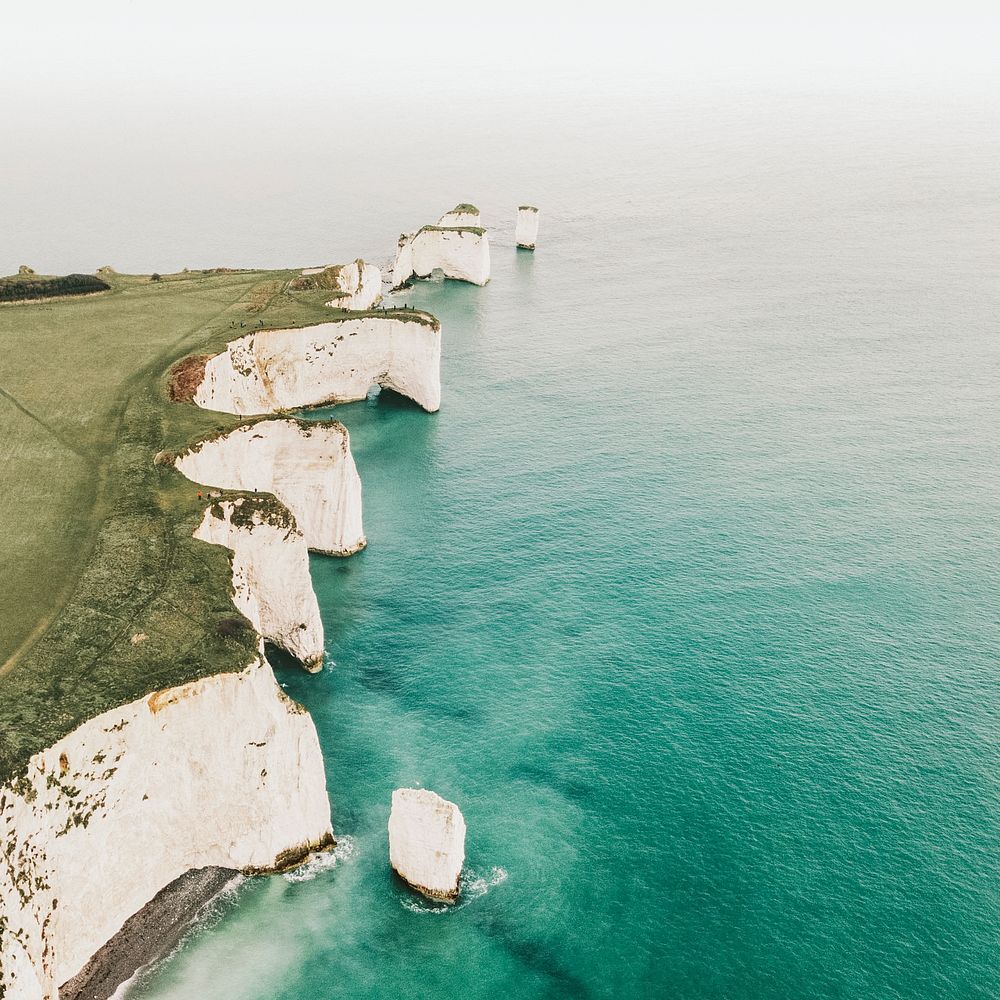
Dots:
(688, 595)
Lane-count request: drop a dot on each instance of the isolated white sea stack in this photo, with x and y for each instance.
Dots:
(307, 465)
(271, 582)
(333, 362)
(527, 227)
(225, 771)
(427, 842)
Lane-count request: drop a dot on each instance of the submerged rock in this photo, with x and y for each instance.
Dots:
(527, 227)
(427, 842)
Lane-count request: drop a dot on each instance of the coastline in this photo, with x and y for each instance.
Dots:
(151, 591)
(149, 935)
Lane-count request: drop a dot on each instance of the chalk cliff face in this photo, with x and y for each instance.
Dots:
(527, 227)
(360, 284)
(333, 362)
(427, 842)
(460, 252)
(308, 466)
(357, 285)
(223, 771)
(271, 582)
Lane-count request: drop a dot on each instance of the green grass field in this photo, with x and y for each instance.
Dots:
(97, 546)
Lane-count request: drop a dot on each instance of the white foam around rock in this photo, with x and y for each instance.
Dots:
(427, 842)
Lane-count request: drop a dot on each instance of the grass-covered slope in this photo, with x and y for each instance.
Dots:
(105, 595)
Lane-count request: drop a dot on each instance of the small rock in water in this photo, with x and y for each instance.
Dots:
(427, 842)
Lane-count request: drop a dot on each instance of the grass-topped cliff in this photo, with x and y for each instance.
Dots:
(106, 596)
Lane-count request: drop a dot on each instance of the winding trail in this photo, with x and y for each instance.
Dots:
(102, 466)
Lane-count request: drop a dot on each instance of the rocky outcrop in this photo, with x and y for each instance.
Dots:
(332, 362)
(225, 771)
(307, 465)
(427, 842)
(527, 227)
(461, 215)
(271, 582)
(460, 250)
(359, 285)
(356, 286)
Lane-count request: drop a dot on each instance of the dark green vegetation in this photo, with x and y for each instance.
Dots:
(466, 209)
(105, 595)
(25, 287)
(526, 208)
(475, 230)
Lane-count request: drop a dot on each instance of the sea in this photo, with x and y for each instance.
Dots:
(689, 595)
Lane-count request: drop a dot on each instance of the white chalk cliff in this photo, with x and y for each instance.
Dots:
(427, 842)
(354, 286)
(307, 465)
(271, 582)
(359, 285)
(333, 362)
(223, 771)
(526, 233)
(461, 215)
(458, 247)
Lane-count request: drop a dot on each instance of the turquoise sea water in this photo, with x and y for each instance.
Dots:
(688, 595)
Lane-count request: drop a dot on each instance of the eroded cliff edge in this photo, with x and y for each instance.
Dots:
(151, 784)
(333, 362)
(152, 789)
(307, 465)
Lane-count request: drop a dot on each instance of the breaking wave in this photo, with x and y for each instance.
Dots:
(471, 886)
(319, 863)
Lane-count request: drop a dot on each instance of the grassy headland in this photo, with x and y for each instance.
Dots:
(106, 595)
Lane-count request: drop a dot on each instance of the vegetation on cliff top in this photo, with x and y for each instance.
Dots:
(475, 230)
(28, 286)
(106, 596)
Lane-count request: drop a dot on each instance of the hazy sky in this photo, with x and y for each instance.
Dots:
(412, 51)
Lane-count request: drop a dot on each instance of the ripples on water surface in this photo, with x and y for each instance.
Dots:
(688, 595)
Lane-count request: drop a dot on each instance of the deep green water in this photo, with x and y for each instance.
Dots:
(688, 595)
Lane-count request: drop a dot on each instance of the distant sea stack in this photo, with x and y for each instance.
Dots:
(457, 246)
(527, 227)
(427, 842)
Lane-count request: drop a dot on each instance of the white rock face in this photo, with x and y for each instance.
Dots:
(527, 227)
(461, 253)
(223, 771)
(271, 582)
(427, 842)
(308, 466)
(361, 285)
(461, 215)
(333, 362)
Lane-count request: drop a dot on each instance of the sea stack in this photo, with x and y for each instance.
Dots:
(458, 246)
(427, 842)
(527, 227)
